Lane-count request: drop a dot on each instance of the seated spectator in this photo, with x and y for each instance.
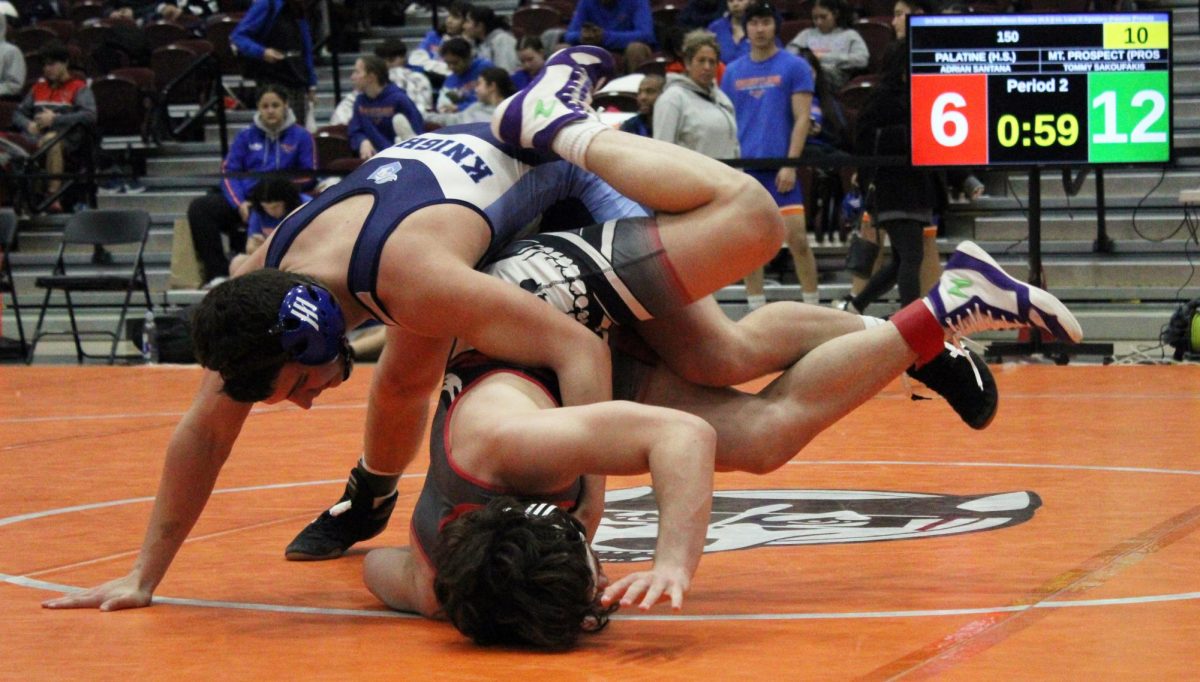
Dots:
(275, 45)
(414, 83)
(532, 56)
(52, 107)
(647, 98)
(270, 202)
(274, 143)
(383, 113)
(12, 65)
(493, 37)
(458, 92)
(842, 51)
(427, 57)
(491, 88)
(730, 30)
(622, 26)
(692, 111)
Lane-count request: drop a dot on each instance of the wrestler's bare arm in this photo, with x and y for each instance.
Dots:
(401, 579)
(408, 374)
(538, 450)
(197, 451)
(444, 297)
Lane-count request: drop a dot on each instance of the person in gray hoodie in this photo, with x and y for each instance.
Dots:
(12, 64)
(692, 111)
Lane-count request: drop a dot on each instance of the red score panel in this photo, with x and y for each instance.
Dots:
(949, 120)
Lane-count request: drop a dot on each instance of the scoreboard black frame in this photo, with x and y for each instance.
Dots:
(1041, 89)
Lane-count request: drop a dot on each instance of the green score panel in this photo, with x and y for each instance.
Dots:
(1041, 118)
(1129, 117)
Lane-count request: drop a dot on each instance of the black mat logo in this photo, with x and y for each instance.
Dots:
(742, 519)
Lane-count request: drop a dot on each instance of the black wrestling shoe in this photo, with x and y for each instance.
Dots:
(964, 380)
(349, 521)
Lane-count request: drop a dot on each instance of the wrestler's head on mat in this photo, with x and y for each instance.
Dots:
(272, 336)
(517, 573)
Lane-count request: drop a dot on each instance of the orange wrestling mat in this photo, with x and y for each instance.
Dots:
(1060, 543)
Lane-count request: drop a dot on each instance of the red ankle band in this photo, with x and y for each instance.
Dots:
(920, 330)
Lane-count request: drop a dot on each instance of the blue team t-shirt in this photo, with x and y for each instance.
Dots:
(762, 100)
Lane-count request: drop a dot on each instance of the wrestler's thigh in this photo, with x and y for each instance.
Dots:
(707, 258)
(698, 332)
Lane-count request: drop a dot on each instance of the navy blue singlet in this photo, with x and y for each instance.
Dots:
(464, 165)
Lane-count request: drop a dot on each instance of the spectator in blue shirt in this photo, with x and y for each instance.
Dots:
(458, 92)
(373, 126)
(621, 26)
(275, 142)
(772, 91)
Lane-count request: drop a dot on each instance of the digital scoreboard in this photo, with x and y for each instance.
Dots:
(1040, 89)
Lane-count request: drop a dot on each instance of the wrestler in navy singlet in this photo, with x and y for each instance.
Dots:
(507, 186)
(449, 492)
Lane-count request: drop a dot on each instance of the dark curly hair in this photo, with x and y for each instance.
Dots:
(231, 331)
(504, 577)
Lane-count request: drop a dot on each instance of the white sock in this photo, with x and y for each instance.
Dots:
(869, 321)
(812, 297)
(573, 140)
(756, 301)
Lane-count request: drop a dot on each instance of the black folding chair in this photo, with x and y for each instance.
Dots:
(8, 234)
(82, 234)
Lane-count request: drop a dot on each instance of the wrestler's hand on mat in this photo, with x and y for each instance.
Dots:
(647, 588)
(114, 595)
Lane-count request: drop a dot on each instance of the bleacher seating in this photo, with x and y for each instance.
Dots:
(534, 19)
(31, 38)
(162, 33)
(790, 28)
(877, 34)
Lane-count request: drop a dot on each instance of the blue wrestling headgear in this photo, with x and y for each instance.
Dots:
(311, 328)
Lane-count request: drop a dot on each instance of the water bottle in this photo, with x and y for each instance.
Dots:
(150, 339)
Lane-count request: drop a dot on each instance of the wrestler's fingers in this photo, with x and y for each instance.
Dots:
(634, 592)
(676, 596)
(653, 594)
(618, 589)
(81, 600)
